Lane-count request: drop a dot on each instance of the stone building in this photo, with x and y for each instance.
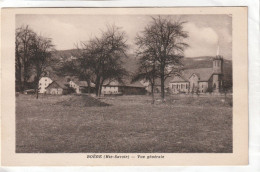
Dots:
(199, 80)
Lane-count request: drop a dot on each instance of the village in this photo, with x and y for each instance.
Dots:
(190, 81)
(129, 89)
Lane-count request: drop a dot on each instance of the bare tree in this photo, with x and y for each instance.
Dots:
(104, 55)
(40, 57)
(164, 38)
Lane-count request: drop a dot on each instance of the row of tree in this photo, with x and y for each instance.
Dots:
(32, 56)
(160, 46)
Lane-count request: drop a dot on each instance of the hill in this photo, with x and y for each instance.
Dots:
(131, 63)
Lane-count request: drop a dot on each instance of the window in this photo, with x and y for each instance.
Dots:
(186, 86)
(202, 85)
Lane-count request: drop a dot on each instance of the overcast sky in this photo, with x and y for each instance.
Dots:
(205, 31)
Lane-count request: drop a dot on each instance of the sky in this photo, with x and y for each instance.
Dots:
(206, 32)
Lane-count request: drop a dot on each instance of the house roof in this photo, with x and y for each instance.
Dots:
(126, 82)
(178, 78)
(60, 84)
(204, 74)
(135, 84)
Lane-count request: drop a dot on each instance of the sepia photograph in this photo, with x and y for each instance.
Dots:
(124, 86)
(123, 83)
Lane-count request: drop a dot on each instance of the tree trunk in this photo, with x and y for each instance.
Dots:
(89, 86)
(162, 80)
(100, 88)
(36, 89)
(19, 75)
(97, 85)
(162, 87)
(152, 87)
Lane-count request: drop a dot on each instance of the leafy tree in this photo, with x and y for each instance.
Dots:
(163, 39)
(24, 37)
(40, 54)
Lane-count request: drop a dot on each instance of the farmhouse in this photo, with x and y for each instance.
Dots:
(126, 88)
(199, 80)
(81, 86)
(57, 87)
(44, 83)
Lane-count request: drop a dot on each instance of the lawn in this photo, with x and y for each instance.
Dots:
(125, 124)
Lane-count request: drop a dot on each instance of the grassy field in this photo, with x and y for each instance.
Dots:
(122, 124)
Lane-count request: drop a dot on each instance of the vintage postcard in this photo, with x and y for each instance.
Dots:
(124, 86)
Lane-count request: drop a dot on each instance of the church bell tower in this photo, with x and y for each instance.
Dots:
(217, 72)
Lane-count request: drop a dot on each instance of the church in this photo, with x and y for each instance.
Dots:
(199, 80)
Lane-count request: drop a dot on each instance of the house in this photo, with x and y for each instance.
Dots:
(44, 83)
(64, 83)
(57, 87)
(126, 88)
(200, 80)
(81, 86)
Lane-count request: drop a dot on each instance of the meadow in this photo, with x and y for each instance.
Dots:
(123, 124)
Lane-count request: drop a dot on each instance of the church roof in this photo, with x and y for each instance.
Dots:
(204, 74)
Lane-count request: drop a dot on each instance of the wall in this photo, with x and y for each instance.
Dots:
(43, 83)
(194, 82)
(181, 87)
(55, 90)
(203, 87)
(217, 66)
(109, 90)
(75, 86)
